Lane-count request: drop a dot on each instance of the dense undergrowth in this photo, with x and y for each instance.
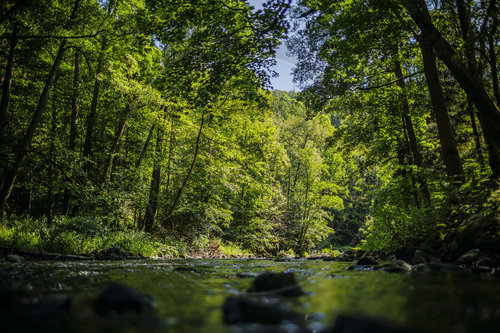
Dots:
(89, 236)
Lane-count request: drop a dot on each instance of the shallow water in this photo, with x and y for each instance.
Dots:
(190, 301)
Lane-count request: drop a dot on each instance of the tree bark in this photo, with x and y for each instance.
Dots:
(74, 104)
(463, 16)
(190, 171)
(145, 147)
(28, 137)
(449, 149)
(116, 142)
(92, 117)
(489, 114)
(417, 157)
(7, 84)
(154, 189)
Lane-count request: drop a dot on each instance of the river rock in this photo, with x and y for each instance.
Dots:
(120, 298)
(367, 260)
(469, 257)
(283, 284)
(350, 324)
(479, 231)
(436, 267)
(13, 258)
(396, 266)
(113, 253)
(247, 310)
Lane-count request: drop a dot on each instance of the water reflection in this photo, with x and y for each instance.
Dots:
(190, 299)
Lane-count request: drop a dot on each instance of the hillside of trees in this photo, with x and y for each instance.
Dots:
(152, 126)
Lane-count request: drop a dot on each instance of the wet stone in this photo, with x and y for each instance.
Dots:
(367, 260)
(395, 267)
(469, 257)
(247, 310)
(13, 258)
(120, 298)
(283, 284)
(350, 324)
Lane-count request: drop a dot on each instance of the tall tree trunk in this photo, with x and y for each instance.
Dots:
(493, 62)
(190, 171)
(35, 120)
(145, 147)
(74, 120)
(7, 84)
(417, 157)
(74, 103)
(449, 149)
(92, 117)
(489, 114)
(463, 16)
(116, 143)
(154, 189)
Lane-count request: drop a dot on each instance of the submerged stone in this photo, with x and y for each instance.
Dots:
(120, 298)
(283, 284)
(13, 258)
(350, 324)
(247, 310)
(394, 267)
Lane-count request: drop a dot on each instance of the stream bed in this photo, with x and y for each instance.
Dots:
(189, 294)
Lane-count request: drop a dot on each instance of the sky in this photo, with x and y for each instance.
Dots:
(284, 64)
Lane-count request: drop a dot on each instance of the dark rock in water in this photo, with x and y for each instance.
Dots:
(367, 260)
(436, 267)
(423, 256)
(359, 268)
(478, 232)
(13, 258)
(51, 307)
(185, 269)
(247, 310)
(469, 257)
(394, 267)
(113, 253)
(120, 298)
(283, 284)
(349, 324)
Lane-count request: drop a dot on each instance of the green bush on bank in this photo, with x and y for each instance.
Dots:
(80, 235)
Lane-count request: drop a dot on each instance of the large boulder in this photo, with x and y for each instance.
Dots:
(247, 310)
(283, 284)
(120, 298)
(480, 232)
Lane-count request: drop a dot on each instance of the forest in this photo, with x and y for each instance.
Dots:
(152, 127)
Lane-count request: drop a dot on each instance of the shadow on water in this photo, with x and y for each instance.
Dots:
(189, 295)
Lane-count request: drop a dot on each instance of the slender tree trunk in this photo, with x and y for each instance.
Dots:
(28, 137)
(417, 157)
(154, 190)
(410, 162)
(190, 171)
(494, 64)
(116, 143)
(489, 114)
(463, 16)
(7, 84)
(449, 149)
(35, 120)
(74, 104)
(50, 158)
(145, 147)
(92, 117)
(73, 132)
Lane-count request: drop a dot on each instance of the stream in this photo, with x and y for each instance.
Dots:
(189, 294)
